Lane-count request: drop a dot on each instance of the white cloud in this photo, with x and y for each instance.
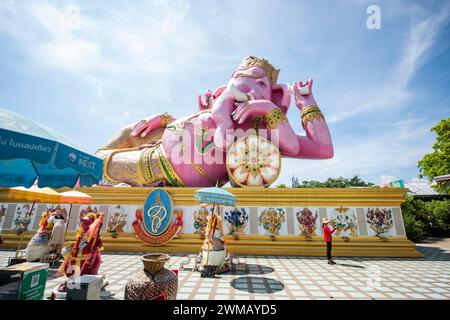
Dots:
(70, 54)
(422, 37)
(393, 92)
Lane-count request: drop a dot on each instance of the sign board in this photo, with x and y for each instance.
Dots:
(24, 281)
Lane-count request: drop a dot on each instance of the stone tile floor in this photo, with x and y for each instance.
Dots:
(301, 278)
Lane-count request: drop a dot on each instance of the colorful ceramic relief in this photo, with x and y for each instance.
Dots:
(201, 220)
(307, 221)
(3, 208)
(88, 209)
(117, 220)
(23, 217)
(379, 220)
(271, 220)
(237, 220)
(344, 219)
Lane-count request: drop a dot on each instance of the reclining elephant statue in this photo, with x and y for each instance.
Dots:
(163, 151)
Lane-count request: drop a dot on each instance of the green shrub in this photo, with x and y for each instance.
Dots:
(414, 228)
(439, 218)
(426, 219)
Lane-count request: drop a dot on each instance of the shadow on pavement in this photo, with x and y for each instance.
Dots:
(349, 265)
(433, 253)
(259, 285)
(249, 268)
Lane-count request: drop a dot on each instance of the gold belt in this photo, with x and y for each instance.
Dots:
(154, 166)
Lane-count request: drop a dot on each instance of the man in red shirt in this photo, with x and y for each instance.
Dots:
(327, 235)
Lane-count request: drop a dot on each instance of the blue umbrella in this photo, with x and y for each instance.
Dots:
(29, 150)
(215, 195)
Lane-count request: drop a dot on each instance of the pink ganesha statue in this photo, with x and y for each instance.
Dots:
(192, 151)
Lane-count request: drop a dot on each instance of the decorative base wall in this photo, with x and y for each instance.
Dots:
(282, 221)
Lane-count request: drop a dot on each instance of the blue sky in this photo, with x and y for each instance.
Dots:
(87, 68)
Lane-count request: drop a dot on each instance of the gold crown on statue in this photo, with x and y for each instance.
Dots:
(252, 61)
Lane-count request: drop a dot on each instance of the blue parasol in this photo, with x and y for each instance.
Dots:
(215, 195)
(29, 151)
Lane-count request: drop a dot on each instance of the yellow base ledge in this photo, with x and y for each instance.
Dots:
(254, 245)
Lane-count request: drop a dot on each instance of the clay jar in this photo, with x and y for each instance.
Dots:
(153, 281)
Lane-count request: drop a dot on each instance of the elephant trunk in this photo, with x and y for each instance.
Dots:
(237, 95)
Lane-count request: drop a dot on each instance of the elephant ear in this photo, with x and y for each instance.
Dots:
(219, 91)
(281, 96)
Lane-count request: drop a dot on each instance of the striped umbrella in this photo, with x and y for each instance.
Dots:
(71, 197)
(34, 193)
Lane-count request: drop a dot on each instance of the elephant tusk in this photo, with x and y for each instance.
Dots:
(304, 90)
(238, 95)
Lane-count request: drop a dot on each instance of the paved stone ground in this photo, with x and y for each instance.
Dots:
(303, 278)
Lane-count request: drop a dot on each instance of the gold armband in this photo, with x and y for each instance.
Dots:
(145, 174)
(169, 172)
(165, 119)
(274, 118)
(311, 112)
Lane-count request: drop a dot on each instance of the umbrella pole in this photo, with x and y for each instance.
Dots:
(68, 220)
(22, 235)
(211, 232)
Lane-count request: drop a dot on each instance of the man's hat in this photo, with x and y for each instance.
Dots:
(325, 220)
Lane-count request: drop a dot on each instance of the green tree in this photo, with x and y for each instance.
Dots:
(437, 163)
(340, 182)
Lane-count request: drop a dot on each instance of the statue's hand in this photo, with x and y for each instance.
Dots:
(206, 103)
(302, 101)
(141, 128)
(252, 108)
(144, 127)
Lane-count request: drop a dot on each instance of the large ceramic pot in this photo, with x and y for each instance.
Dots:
(153, 281)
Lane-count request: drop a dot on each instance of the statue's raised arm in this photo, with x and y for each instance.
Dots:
(317, 143)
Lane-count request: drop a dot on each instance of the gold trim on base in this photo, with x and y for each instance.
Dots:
(326, 197)
(257, 245)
